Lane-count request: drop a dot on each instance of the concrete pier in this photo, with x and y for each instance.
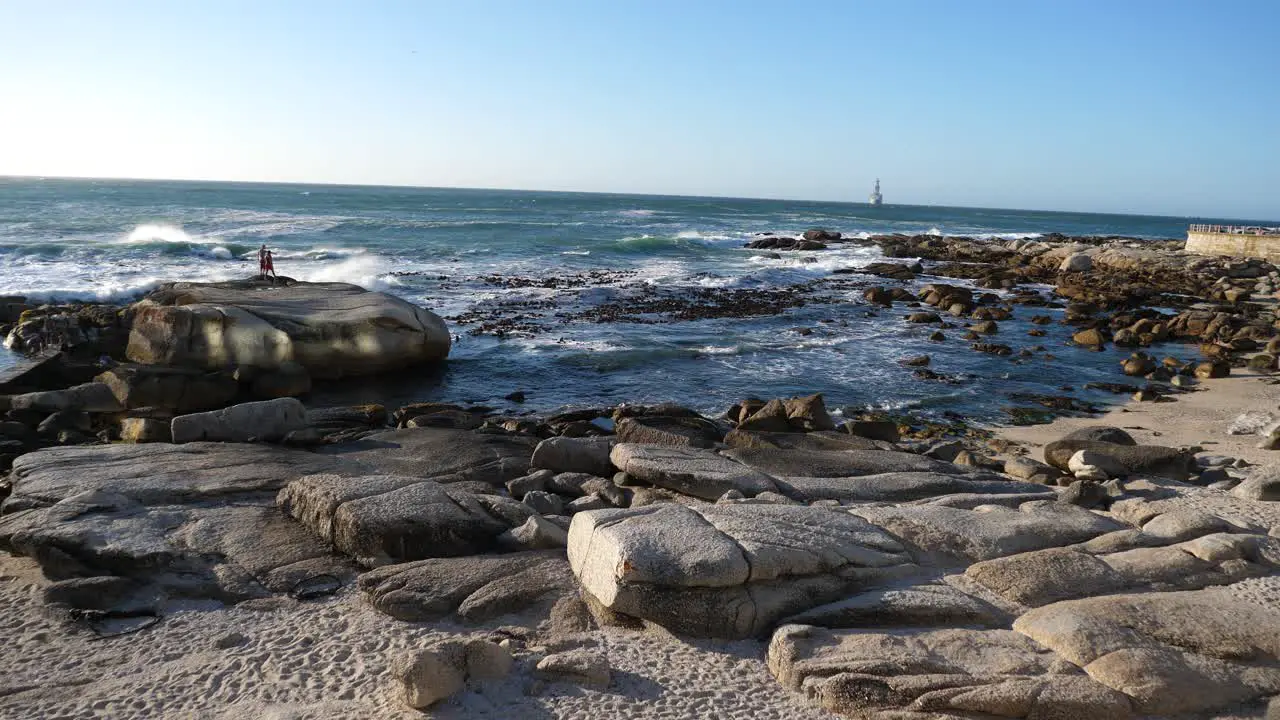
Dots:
(1235, 241)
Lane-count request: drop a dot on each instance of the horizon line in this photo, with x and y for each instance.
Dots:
(615, 193)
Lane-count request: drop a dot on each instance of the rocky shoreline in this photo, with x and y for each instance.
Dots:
(878, 565)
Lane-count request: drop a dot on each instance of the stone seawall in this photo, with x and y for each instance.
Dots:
(1266, 247)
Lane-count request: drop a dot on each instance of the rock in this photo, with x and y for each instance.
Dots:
(821, 235)
(92, 397)
(487, 660)
(906, 486)
(446, 454)
(289, 379)
(426, 677)
(924, 317)
(808, 413)
(1032, 471)
(1263, 484)
(1250, 423)
(1078, 262)
(1091, 337)
(356, 417)
(1180, 525)
(730, 570)
(823, 440)
(384, 519)
(986, 328)
(77, 420)
(1215, 369)
(691, 471)
(265, 420)
(678, 431)
(1170, 653)
(1086, 491)
(915, 361)
(1139, 364)
(144, 430)
(948, 673)
(476, 589)
(536, 533)
(580, 667)
(185, 520)
(937, 336)
(1146, 459)
(544, 503)
(581, 455)
(832, 464)
(874, 429)
(918, 605)
(585, 503)
(533, 482)
(181, 390)
(1102, 433)
(334, 330)
(1108, 465)
(990, 533)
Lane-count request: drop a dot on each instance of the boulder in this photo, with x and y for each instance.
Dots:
(383, 519)
(1030, 470)
(580, 667)
(581, 455)
(660, 430)
(443, 454)
(144, 430)
(874, 429)
(1078, 262)
(1135, 460)
(187, 520)
(1170, 653)
(728, 571)
(267, 420)
(838, 463)
(988, 531)
(823, 440)
(1263, 484)
(906, 486)
(93, 397)
(808, 413)
(474, 589)
(181, 390)
(949, 673)
(914, 606)
(691, 471)
(537, 533)
(334, 330)
(427, 676)
(1091, 337)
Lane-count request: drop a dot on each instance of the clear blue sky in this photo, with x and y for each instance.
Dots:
(1123, 105)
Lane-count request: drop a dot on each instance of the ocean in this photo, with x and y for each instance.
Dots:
(566, 269)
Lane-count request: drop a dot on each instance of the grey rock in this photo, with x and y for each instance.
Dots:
(332, 329)
(182, 390)
(425, 677)
(677, 431)
(537, 533)
(833, 464)
(585, 503)
(915, 606)
(580, 667)
(728, 570)
(544, 503)
(691, 471)
(442, 454)
(475, 589)
(581, 455)
(93, 397)
(898, 487)
(266, 420)
(1263, 484)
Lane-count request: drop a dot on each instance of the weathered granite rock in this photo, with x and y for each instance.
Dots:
(180, 520)
(332, 329)
(288, 379)
(181, 390)
(820, 440)
(427, 676)
(474, 588)
(1143, 459)
(1263, 484)
(580, 667)
(662, 430)
(727, 570)
(384, 519)
(988, 531)
(902, 486)
(1170, 653)
(949, 673)
(266, 420)
(915, 606)
(141, 430)
(89, 397)
(442, 454)
(583, 455)
(831, 464)
(692, 471)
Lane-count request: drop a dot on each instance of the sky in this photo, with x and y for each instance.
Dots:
(1164, 107)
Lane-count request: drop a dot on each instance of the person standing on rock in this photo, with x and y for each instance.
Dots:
(262, 262)
(268, 267)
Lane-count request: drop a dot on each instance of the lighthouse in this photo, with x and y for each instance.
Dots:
(876, 198)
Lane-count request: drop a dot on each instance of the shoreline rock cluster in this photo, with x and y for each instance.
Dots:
(892, 570)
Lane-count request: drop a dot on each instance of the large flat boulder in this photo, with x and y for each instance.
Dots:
(384, 519)
(334, 330)
(173, 521)
(442, 454)
(937, 673)
(727, 570)
(989, 531)
(903, 486)
(692, 471)
(839, 463)
(1170, 653)
(182, 390)
(269, 420)
(472, 588)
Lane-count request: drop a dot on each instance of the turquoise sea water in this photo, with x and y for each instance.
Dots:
(467, 253)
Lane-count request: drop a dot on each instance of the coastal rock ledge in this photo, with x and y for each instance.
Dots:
(334, 330)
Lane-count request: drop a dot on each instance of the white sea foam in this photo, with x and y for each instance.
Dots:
(151, 233)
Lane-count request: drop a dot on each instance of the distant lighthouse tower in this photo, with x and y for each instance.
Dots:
(876, 198)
